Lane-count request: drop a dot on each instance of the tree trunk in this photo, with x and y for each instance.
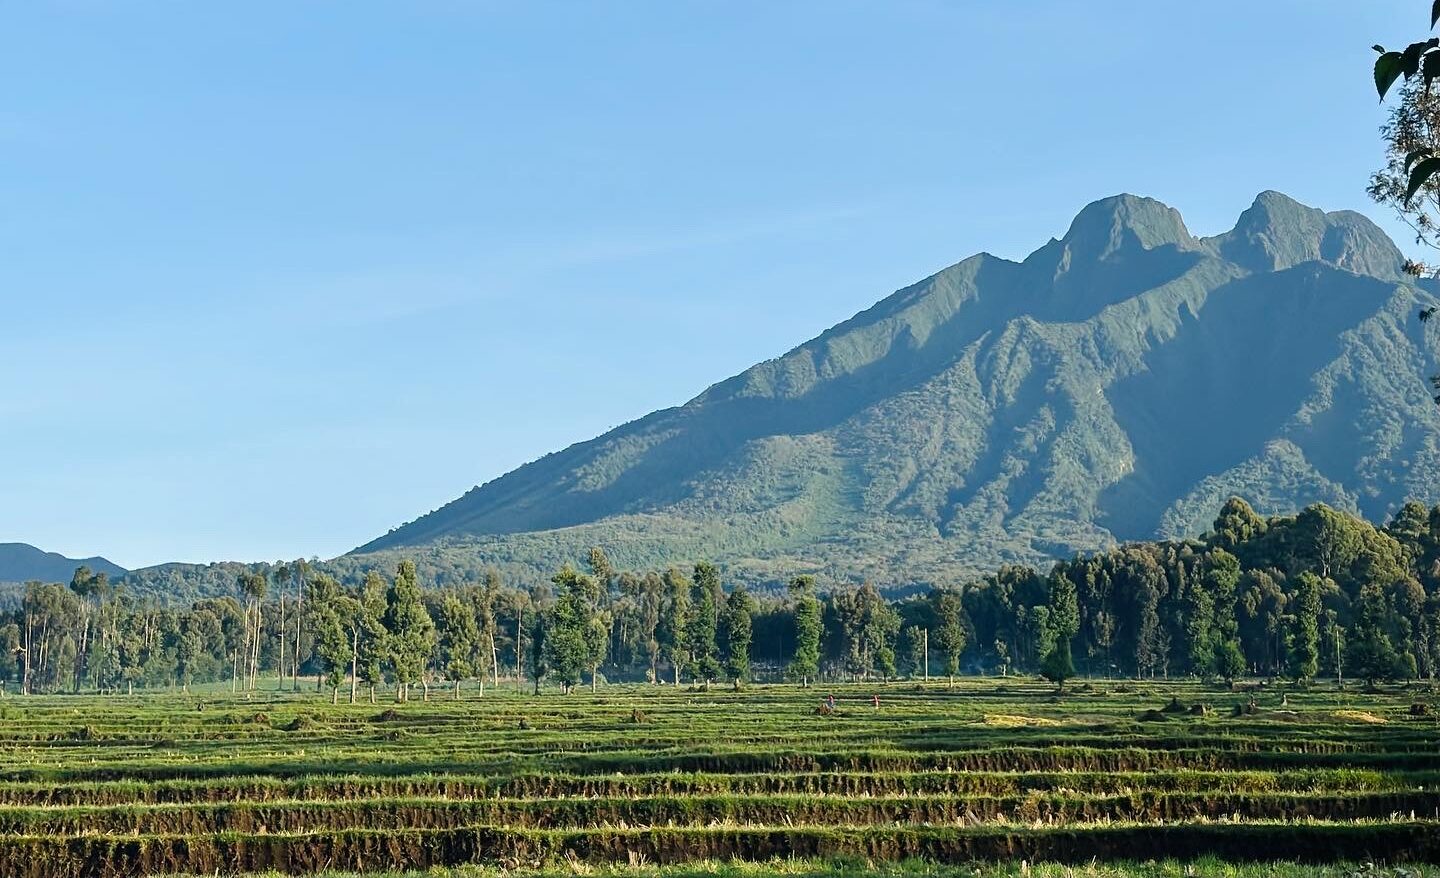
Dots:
(280, 683)
(457, 689)
(299, 621)
(243, 659)
(29, 632)
(354, 662)
(335, 694)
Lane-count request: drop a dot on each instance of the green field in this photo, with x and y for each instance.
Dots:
(643, 778)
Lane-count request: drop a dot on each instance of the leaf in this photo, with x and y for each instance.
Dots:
(1416, 154)
(1410, 59)
(1431, 67)
(1387, 70)
(1434, 12)
(1421, 174)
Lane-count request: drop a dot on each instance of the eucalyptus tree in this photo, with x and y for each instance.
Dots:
(809, 624)
(736, 635)
(411, 632)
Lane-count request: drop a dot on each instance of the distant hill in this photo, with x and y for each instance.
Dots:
(20, 562)
(1118, 384)
(185, 583)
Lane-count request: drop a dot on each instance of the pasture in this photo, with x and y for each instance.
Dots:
(667, 782)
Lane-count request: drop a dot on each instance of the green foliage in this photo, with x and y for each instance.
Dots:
(672, 632)
(333, 619)
(1419, 64)
(411, 634)
(912, 650)
(1305, 628)
(868, 626)
(1147, 609)
(950, 636)
(805, 660)
(1058, 665)
(703, 622)
(372, 639)
(738, 634)
(1229, 660)
(459, 639)
(567, 644)
(1371, 654)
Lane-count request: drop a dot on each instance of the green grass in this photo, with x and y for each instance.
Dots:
(986, 771)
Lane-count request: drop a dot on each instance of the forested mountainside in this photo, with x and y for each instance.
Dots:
(1118, 384)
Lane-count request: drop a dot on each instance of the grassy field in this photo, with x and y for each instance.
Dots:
(1120, 778)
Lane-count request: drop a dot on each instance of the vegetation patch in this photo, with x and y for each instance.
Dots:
(1013, 721)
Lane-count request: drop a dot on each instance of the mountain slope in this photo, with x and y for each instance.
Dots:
(20, 562)
(1117, 384)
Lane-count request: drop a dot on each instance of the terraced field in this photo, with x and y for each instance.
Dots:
(643, 777)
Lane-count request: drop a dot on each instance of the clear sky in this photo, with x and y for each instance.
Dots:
(277, 276)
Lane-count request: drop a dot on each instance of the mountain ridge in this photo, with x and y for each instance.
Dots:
(22, 562)
(1002, 411)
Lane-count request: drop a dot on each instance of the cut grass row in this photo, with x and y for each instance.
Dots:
(819, 811)
(97, 856)
(138, 786)
(856, 867)
(160, 764)
(550, 786)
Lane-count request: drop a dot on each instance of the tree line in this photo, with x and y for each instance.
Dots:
(1295, 597)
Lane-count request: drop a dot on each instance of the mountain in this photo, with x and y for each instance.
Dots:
(1117, 384)
(20, 562)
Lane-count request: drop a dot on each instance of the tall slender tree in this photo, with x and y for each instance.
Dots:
(459, 640)
(673, 627)
(1305, 628)
(411, 632)
(567, 647)
(809, 623)
(950, 634)
(737, 633)
(252, 585)
(705, 597)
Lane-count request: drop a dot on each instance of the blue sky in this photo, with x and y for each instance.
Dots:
(276, 277)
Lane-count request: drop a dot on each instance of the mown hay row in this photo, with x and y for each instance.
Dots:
(1017, 759)
(96, 857)
(252, 789)
(293, 817)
